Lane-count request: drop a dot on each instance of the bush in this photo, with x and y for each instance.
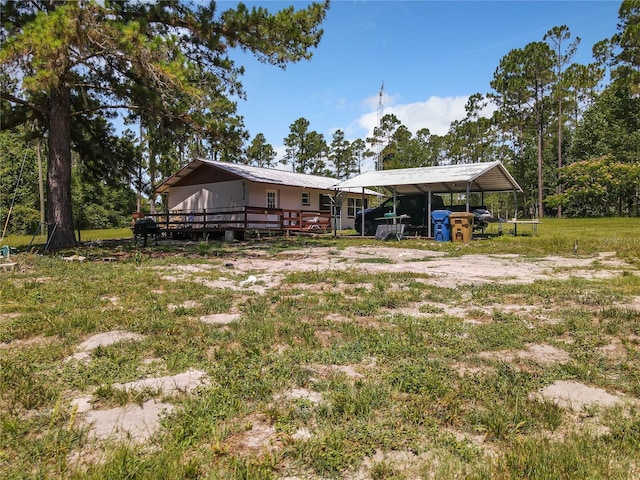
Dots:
(23, 220)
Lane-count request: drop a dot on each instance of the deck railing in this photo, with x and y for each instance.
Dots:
(241, 218)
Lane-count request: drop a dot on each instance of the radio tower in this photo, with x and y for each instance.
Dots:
(379, 143)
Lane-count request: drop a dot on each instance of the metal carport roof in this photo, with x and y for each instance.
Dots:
(474, 177)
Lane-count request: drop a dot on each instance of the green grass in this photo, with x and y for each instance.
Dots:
(409, 399)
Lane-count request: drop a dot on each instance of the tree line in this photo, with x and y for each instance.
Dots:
(562, 128)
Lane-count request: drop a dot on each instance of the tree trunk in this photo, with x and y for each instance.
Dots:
(59, 213)
(559, 187)
(540, 178)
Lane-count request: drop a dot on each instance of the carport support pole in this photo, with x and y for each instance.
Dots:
(394, 205)
(362, 216)
(468, 193)
(429, 207)
(515, 203)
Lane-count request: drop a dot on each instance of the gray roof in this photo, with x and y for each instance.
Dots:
(478, 177)
(257, 174)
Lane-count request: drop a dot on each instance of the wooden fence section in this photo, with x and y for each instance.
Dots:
(178, 223)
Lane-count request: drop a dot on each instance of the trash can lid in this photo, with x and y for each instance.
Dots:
(440, 214)
(461, 215)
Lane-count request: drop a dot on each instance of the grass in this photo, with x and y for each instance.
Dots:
(408, 413)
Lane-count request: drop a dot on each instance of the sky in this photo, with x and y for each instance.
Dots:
(430, 56)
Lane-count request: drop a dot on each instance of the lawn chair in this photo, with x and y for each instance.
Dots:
(313, 223)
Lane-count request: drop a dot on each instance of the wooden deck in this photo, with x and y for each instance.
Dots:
(204, 223)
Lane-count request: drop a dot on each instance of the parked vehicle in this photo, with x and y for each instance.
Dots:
(414, 205)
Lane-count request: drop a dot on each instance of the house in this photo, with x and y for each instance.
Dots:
(209, 196)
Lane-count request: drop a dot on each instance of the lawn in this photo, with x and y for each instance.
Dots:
(322, 357)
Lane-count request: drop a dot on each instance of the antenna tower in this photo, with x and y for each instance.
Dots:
(379, 143)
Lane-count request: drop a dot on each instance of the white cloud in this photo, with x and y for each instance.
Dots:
(436, 114)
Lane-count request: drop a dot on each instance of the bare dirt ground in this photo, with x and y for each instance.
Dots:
(256, 272)
(262, 270)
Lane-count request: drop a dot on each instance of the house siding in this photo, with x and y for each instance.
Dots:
(210, 196)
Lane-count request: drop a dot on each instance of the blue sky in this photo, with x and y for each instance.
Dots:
(431, 55)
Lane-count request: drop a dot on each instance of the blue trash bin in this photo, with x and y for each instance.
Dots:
(441, 226)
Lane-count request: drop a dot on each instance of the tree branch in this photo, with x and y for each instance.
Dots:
(13, 99)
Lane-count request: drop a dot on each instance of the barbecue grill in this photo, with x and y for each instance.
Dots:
(144, 228)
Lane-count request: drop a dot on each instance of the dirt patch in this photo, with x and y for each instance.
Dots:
(325, 371)
(259, 437)
(134, 423)
(634, 304)
(404, 463)
(614, 351)
(539, 353)
(439, 269)
(5, 317)
(187, 304)
(182, 382)
(103, 340)
(220, 318)
(39, 341)
(576, 396)
(300, 394)
(112, 300)
(473, 313)
(465, 369)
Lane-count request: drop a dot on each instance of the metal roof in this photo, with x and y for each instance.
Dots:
(477, 177)
(256, 174)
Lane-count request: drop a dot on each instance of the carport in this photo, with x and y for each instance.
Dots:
(490, 177)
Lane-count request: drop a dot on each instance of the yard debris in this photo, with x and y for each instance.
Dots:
(74, 258)
(250, 279)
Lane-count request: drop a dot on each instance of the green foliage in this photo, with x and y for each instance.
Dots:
(610, 127)
(627, 38)
(23, 220)
(260, 153)
(600, 187)
(18, 183)
(306, 150)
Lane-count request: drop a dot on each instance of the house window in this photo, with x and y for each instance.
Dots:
(325, 203)
(306, 199)
(272, 199)
(354, 205)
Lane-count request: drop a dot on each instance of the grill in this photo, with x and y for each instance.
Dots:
(144, 228)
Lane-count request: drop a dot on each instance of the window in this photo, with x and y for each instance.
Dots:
(325, 203)
(354, 205)
(272, 197)
(306, 199)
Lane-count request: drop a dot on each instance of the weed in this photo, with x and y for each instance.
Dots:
(384, 471)
(374, 260)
